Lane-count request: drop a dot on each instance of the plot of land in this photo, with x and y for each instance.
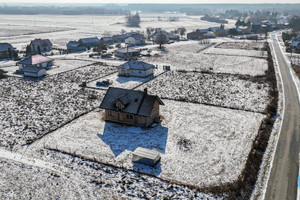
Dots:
(188, 56)
(214, 89)
(236, 52)
(217, 137)
(247, 45)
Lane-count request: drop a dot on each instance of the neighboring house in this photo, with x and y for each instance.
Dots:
(135, 39)
(121, 38)
(255, 27)
(221, 32)
(74, 46)
(89, 42)
(107, 40)
(126, 52)
(209, 34)
(202, 31)
(4, 50)
(214, 29)
(252, 37)
(243, 30)
(38, 61)
(194, 35)
(174, 37)
(132, 107)
(42, 45)
(33, 71)
(136, 68)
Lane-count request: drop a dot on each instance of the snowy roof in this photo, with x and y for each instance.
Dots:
(106, 39)
(5, 46)
(124, 50)
(135, 102)
(145, 156)
(41, 42)
(295, 43)
(202, 30)
(137, 65)
(31, 69)
(138, 36)
(214, 29)
(73, 44)
(34, 60)
(89, 40)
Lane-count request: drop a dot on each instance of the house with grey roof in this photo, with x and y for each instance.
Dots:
(40, 45)
(5, 48)
(132, 107)
(126, 53)
(91, 42)
(135, 39)
(35, 65)
(74, 46)
(136, 68)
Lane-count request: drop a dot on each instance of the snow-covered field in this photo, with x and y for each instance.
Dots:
(189, 56)
(31, 108)
(214, 89)
(217, 137)
(246, 45)
(67, 64)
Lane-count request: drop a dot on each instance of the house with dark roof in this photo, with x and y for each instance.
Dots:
(4, 50)
(107, 40)
(132, 107)
(74, 46)
(89, 42)
(194, 35)
(126, 53)
(135, 39)
(136, 68)
(40, 45)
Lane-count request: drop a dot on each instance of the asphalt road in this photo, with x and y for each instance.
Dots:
(284, 174)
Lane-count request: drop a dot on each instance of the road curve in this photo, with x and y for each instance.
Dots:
(282, 184)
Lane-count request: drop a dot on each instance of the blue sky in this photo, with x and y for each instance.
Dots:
(150, 1)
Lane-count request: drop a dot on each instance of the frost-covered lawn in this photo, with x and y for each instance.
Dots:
(236, 52)
(189, 56)
(246, 45)
(67, 64)
(29, 109)
(199, 145)
(216, 89)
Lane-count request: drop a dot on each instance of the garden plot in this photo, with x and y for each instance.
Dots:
(65, 65)
(184, 56)
(219, 138)
(236, 52)
(214, 89)
(29, 109)
(246, 45)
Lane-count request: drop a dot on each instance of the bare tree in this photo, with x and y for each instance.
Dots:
(181, 31)
(161, 39)
(123, 31)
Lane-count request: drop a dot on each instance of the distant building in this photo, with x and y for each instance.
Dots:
(136, 68)
(89, 42)
(4, 50)
(135, 39)
(74, 46)
(214, 29)
(194, 35)
(107, 40)
(132, 107)
(209, 34)
(40, 45)
(174, 37)
(126, 52)
(221, 32)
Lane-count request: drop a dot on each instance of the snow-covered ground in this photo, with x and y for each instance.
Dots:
(214, 89)
(217, 137)
(31, 108)
(246, 45)
(191, 56)
(65, 65)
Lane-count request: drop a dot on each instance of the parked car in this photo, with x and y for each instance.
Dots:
(104, 83)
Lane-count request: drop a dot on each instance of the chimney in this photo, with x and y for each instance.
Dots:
(146, 91)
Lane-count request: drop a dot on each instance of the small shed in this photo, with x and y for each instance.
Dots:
(146, 156)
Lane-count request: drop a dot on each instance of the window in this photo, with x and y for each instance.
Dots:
(129, 116)
(110, 113)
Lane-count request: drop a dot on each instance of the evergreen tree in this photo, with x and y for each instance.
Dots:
(39, 50)
(28, 50)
